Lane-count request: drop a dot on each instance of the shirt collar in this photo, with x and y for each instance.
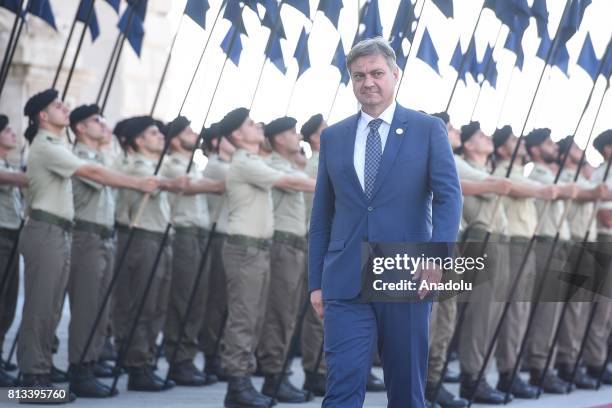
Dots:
(386, 116)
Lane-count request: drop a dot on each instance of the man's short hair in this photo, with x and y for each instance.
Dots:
(372, 46)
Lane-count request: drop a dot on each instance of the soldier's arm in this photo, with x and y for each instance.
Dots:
(494, 185)
(296, 183)
(174, 185)
(529, 190)
(604, 217)
(205, 185)
(17, 179)
(113, 178)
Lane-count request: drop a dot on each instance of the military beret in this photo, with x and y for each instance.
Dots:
(39, 102)
(501, 135)
(603, 140)
(565, 144)
(442, 115)
(135, 126)
(233, 120)
(3, 122)
(536, 137)
(279, 125)
(311, 126)
(83, 112)
(467, 131)
(176, 126)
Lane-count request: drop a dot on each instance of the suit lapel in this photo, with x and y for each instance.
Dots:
(392, 147)
(349, 151)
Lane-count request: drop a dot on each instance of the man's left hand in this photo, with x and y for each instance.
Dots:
(430, 275)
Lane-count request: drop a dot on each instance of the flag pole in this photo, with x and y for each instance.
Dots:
(399, 85)
(65, 50)
(12, 35)
(487, 66)
(11, 54)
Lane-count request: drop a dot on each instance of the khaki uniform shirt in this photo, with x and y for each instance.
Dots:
(597, 177)
(312, 167)
(123, 196)
(478, 210)
(10, 200)
(289, 206)
(51, 165)
(550, 220)
(156, 213)
(190, 210)
(521, 212)
(216, 169)
(93, 202)
(248, 185)
(580, 212)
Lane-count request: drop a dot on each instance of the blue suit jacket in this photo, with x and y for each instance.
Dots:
(416, 198)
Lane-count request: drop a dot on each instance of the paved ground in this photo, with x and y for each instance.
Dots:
(212, 396)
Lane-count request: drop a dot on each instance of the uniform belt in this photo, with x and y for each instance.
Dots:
(49, 218)
(197, 231)
(244, 240)
(544, 238)
(9, 233)
(478, 233)
(290, 239)
(519, 239)
(601, 237)
(154, 235)
(103, 231)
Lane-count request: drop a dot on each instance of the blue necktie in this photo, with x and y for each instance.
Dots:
(372, 156)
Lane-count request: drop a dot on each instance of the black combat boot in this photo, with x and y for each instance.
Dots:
(242, 394)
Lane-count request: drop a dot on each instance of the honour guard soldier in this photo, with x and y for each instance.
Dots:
(46, 238)
(191, 220)
(287, 264)
(11, 179)
(246, 255)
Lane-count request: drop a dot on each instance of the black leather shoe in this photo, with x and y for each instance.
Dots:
(581, 379)
(520, 389)
(185, 373)
(109, 353)
(242, 394)
(374, 383)
(286, 391)
(444, 398)
(102, 369)
(551, 384)
(451, 377)
(315, 383)
(143, 379)
(212, 369)
(58, 376)
(7, 380)
(42, 381)
(594, 373)
(483, 394)
(84, 384)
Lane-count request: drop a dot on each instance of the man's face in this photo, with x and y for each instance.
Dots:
(188, 138)
(225, 146)
(56, 114)
(548, 150)
(251, 132)
(93, 127)
(575, 153)
(454, 136)
(507, 148)
(288, 140)
(151, 140)
(8, 138)
(480, 143)
(373, 80)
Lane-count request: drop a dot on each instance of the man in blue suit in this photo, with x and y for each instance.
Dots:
(386, 174)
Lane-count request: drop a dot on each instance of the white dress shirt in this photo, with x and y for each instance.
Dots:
(363, 130)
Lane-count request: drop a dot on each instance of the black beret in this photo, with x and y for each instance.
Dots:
(467, 131)
(279, 125)
(501, 135)
(565, 144)
(442, 115)
(39, 102)
(83, 112)
(176, 126)
(135, 126)
(536, 137)
(233, 120)
(311, 126)
(603, 140)
(3, 122)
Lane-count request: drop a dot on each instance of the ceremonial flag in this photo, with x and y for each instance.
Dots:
(43, 10)
(445, 6)
(232, 45)
(233, 14)
(371, 20)
(275, 53)
(587, 59)
(303, 6)
(83, 12)
(301, 53)
(331, 10)
(135, 32)
(339, 61)
(196, 10)
(427, 52)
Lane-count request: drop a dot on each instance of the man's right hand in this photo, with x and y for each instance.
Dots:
(316, 299)
(149, 184)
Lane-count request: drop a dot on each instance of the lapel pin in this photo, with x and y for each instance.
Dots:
(399, 131)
